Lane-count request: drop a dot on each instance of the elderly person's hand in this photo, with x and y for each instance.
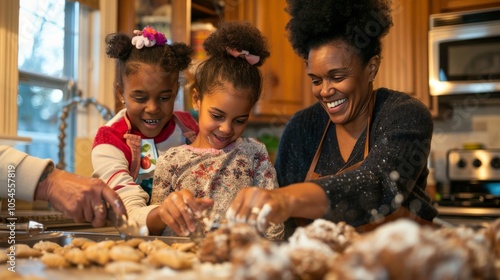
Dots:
(180, 209)
(80, 198)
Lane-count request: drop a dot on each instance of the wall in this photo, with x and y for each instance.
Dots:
(468, 121)
(269, 133)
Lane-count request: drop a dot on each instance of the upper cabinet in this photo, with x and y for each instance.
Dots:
(287, 89)
(444, 6)
(404, 65)
(173, 17)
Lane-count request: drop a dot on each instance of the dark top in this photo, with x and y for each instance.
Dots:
(394, 172)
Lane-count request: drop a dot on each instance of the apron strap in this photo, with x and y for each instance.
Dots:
(311, 174)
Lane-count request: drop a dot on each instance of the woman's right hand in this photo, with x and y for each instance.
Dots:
(259, 207)
(180, 209)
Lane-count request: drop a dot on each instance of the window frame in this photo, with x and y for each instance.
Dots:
(95, 77)
(67, 84)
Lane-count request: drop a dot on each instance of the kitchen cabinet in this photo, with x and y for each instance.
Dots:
(286, 89)
(443, 6)
(404, 65)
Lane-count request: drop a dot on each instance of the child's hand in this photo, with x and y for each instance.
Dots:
(180, 210)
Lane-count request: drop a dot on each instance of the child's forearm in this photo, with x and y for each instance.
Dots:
(154, 222)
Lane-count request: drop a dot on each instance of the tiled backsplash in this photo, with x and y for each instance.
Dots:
(468, 123)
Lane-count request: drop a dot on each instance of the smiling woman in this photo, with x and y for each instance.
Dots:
(359, 154)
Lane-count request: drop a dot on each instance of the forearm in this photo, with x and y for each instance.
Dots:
(305, 200)
(154, 223)
(135, 201)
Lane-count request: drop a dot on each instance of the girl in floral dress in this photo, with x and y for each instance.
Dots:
(219, 162)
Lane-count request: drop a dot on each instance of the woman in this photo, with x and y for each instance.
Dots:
(359, 154)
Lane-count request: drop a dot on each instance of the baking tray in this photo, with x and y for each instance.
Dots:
(65, 237)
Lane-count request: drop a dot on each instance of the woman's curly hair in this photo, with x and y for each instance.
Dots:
(359, 23)
(220, 67)
(172, 58)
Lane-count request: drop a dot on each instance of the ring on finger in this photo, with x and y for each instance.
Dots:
(99, 208)
(255, 210)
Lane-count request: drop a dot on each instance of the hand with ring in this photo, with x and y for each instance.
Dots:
(258, 207)
(77, 197)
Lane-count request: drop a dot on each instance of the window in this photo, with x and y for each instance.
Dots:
(47, 62)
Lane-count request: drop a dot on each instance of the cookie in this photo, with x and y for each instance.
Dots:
(125, 253)
(151, 246)
(77, 257)
(171, 258)
(184, 247)
(82, 242)
(106, 243)
(134, 242)
(25, 251)
(46, 246)
(97, 254)
(52, 260)
(124, 267)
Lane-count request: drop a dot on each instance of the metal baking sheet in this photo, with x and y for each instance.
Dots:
(63, 237)
(34, 267)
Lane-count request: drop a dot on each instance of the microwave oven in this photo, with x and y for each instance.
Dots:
(464, 52)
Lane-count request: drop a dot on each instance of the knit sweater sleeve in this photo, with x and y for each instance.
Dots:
(298, 143)
(394, 168)
(23, 170)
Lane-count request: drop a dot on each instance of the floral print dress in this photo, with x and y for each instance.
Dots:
(215, 174)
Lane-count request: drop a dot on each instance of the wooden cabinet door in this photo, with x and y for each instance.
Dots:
(404, 64)
(443, 6)
(287, 89)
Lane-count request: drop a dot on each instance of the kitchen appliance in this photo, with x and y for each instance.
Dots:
(464, 52)
(473, 197)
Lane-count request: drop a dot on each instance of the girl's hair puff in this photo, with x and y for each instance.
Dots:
(359, 23)
(171, 58)
(221, 67)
